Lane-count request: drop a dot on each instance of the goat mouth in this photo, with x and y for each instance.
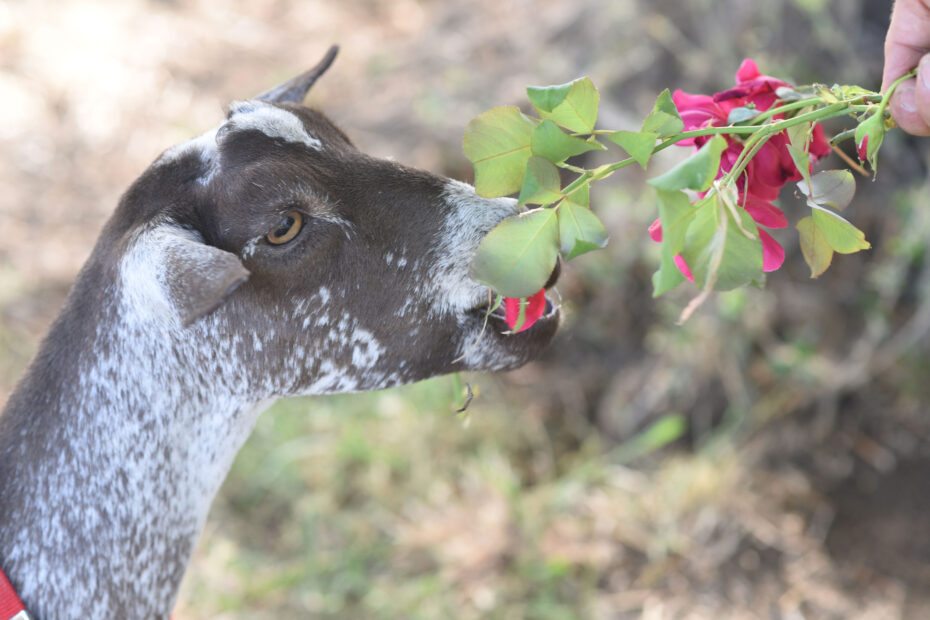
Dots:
(497, 312)
(494, 308)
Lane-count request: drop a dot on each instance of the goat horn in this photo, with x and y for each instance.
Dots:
(295, 90)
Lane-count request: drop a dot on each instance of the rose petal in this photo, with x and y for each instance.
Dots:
(754, 187)
(687, 102)
(697, 112)
(683, 267)
(763, 96)
(655, 231)
(733, 98)
(765, 213)
(535, 306)
(863, 149)
(773, 255)
(819, 147)
(748, 70)
(729, 156)
(760, 89)
(760, 95)
(772, 165)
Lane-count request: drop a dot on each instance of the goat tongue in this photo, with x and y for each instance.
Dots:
(521, 313)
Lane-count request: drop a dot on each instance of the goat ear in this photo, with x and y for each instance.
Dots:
(199, 277)
(194, 278)
(295, 90)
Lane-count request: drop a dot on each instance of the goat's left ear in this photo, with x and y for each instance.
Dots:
(199, 277)
(193, 278)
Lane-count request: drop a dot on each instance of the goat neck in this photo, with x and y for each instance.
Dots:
(111, 451)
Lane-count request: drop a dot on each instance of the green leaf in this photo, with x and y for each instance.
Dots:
(822, 233)
(542, 184)
(552, 143)
(717, 251)
(581, 196)
(638, 144)
(580, 230)
(675, 214)
(664, 118)
(802, 161)
(741, 115)
(518, 256)
(842, 236)
(787, 94)
(835, 188)
(799, 137)
(546, 98)
(572, 105)
(826, 94)
(850, 92)
(816, 250)
(497, 142)
(697, 172)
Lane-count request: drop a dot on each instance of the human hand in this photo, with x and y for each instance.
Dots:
(907, 45)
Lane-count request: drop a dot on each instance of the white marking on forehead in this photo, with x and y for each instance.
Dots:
(272, 121)
(205, 144)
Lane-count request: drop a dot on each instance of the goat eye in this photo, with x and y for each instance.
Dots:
(287, 229)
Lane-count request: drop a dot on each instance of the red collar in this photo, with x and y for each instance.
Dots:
(11, 608)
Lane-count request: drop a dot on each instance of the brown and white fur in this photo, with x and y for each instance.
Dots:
(186, 323)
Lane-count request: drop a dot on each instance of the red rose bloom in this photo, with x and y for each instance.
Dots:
(772, 165)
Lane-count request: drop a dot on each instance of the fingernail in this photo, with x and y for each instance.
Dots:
(923, 71)
(904, 97)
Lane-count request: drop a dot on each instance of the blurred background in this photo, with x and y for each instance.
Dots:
(768, 459)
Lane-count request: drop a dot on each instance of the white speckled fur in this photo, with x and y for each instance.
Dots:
(154, 409)
(181, 433)
(470, 218)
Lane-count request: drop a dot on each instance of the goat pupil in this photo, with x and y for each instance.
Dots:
(286, 225)
(287, 229)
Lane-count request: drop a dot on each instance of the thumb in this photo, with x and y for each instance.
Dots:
(910, 104)
(922, 97)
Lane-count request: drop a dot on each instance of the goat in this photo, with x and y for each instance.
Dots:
(266, 258)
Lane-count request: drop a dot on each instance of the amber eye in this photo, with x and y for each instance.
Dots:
(287, 229)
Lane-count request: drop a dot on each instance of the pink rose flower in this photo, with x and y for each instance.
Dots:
(770, 169)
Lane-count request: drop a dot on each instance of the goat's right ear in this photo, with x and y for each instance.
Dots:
(193, 278)
(295, 90)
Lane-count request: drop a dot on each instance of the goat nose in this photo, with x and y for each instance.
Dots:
(554, 276)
